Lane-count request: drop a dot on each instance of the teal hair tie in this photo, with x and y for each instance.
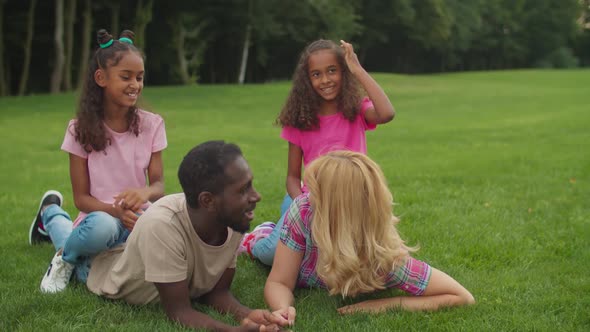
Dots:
(126, 40)
(107, 44)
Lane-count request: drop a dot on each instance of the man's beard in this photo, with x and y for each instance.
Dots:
(237, 226)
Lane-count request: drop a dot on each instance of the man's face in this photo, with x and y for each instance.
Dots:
(238, 199)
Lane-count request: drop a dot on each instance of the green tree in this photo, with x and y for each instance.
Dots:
(466, 21)
(3, 84)
(86, 42)
(69, 20)
(549, 34)
(400, 32)
(27, 48)
(143, 16)
(58, 44)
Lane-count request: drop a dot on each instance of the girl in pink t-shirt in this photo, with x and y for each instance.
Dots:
(115, 152)
(325, 111)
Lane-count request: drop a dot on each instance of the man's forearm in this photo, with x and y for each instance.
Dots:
(197, 320)
(225, 302)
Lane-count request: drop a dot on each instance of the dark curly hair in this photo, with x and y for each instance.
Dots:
(302, 106)
(89, 129)
(203, 169)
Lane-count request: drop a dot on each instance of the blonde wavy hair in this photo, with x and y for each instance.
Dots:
(353, 223)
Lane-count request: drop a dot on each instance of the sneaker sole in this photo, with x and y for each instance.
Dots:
(34, 223)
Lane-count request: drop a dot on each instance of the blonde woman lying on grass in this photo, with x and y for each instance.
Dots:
(341, 236)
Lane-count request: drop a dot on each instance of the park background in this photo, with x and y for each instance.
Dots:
(44, 44)
(487, 157)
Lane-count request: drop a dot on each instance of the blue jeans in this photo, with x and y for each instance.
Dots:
(97, 232)
(264, 249)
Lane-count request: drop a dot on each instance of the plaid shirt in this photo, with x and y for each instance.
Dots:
(412, 277)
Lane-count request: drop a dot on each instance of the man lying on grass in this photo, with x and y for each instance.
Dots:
(184, 246)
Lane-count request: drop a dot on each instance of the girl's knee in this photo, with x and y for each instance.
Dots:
(101, 218)
(102, 226)
(264, 252)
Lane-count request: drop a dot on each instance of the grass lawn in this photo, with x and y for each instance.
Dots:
(490, 172)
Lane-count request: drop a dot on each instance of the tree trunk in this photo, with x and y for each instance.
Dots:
(57, 75)
(3, 83)
(143, 16)
(24, 77)
(179, 35)
(69, 42)
(247, 43)
(115, 15)
(86, 35)
(245, 51)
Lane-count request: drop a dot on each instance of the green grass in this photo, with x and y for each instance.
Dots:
(490, 172)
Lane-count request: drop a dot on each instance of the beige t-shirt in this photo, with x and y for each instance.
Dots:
(163, 247)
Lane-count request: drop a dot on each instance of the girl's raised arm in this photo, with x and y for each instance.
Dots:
(383, 111)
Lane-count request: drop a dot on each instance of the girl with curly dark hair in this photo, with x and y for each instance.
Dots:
(325, 111)
(114, 147)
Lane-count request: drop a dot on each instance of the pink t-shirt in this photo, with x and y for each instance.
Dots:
(335, 132)
(123, 164)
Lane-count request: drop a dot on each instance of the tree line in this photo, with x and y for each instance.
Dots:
(44, 45)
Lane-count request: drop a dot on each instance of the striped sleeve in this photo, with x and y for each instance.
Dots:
(412, 277)
(292, 232)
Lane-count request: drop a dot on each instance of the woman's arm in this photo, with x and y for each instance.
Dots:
(383, 110)
(442, 291)
(278, 290)
(294, 170)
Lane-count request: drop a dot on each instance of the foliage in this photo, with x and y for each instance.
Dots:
(204, 41)
(559, 58)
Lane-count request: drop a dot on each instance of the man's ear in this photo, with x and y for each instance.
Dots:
(100, 77)
(207, 201)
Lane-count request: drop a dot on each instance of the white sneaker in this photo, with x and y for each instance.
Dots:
(57, 276)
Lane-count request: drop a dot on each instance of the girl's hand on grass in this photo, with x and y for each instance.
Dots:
(262, 320)
(287, 314)
(352, 60)
(132, 199)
